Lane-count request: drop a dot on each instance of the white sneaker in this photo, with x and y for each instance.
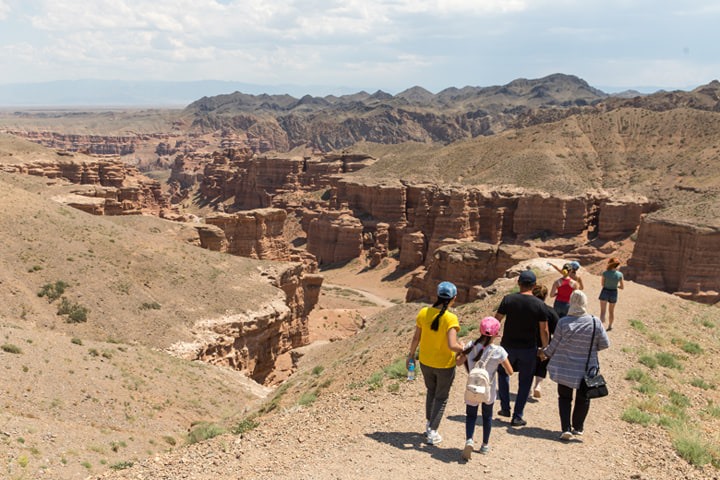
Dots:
(566, 436)
(427, 429)
(467, 451)
(434, 438)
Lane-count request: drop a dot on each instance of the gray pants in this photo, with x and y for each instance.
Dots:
(437, 382)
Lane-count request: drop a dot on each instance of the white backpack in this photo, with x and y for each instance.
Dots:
(479, 384)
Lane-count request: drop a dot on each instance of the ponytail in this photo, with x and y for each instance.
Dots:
(436, 321)
(485, 340)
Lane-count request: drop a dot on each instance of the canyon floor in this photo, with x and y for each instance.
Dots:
(340, 417)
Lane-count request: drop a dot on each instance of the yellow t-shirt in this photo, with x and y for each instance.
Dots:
(434, 350)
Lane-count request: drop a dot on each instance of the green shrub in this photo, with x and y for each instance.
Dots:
(397, 369)
(648, 360)
(393, 387)
(244, 425)
(375, 381)
(170, 440)
(317, 370)
(692, 448)
(122, 465)
(466, 329)
(150, 306)
(204, 431)
(76, 341)
(638, 325)
(692, 348)
(76, 313)
(308, 398)
(635, 375)
(668, 360)
(53, 291)
(700, 383)
(10, 348)
(635, 415)
(679, 399)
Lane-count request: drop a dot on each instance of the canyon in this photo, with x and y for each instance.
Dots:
(459, 186)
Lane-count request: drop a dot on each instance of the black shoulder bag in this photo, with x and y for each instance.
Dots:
(593, 384)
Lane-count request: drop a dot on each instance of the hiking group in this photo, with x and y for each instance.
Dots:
(537, 340)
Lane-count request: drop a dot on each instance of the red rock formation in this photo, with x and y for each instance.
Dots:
(124, 190)
(254, 342)
(254, 234)
(253, 181)
(677, 257)
(335, 236)
(469, 265)
(412, 251)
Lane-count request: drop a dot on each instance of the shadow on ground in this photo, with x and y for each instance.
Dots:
(416, 441)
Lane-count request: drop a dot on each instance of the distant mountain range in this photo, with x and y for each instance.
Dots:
(107, 93)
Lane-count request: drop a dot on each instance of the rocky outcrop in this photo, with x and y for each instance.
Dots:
(335, 236)
(255, 342)
(113, 188)
(254, 234)
(243, 180)
(422, 217)
(678, 258)
(471, 266)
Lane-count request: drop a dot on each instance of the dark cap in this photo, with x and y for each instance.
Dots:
(527, 277)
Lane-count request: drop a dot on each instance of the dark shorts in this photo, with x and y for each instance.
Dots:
(561, 308)
(608, 295)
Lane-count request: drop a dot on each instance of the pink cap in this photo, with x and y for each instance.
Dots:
(490, 326)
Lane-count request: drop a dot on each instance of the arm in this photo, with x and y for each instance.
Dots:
(559, 270)
(499, 316)
(621, 285)
(413, 345)
(602, 281)
(507, 366)
(453, 343)
(580, 284)
(544, 334)
(549, 351)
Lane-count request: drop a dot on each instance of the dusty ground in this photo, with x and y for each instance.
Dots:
(359, 427)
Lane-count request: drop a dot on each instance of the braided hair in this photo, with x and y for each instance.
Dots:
(445, 302)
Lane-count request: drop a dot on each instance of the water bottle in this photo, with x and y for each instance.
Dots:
(411, 370)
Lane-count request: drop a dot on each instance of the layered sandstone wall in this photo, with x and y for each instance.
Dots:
(253, 181)
(256, 342)
(254, 234)
(423, 217)
(123, 190)
(678, 258)
(335, 236)
(471, 266)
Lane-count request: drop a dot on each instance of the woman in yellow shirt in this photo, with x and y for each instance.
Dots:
(436, 332)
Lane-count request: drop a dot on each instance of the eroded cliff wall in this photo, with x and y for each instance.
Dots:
(677, 257)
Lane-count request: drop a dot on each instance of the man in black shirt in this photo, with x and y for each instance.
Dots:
(524, 316)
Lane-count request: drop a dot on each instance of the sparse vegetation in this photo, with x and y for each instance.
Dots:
(245, 425)
(53, 291)
(10, 348)
(204, 431)
(122, 465)
(75, 312)
(150, 306)
(397, 369)
(308, 398)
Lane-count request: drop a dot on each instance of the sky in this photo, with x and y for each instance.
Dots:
(370, 45)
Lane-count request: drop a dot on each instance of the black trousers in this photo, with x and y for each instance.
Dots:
(572, 418)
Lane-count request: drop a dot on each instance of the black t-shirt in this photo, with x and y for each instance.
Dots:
(552, 319)
(522, 314)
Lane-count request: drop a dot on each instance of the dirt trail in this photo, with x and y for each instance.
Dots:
(353, 431)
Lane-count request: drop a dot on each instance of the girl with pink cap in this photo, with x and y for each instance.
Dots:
(491, 356)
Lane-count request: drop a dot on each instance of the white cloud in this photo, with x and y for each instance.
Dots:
(4, 10)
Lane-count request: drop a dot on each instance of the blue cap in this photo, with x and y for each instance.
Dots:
(527, 277)
(575, 265)
(446, 290)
